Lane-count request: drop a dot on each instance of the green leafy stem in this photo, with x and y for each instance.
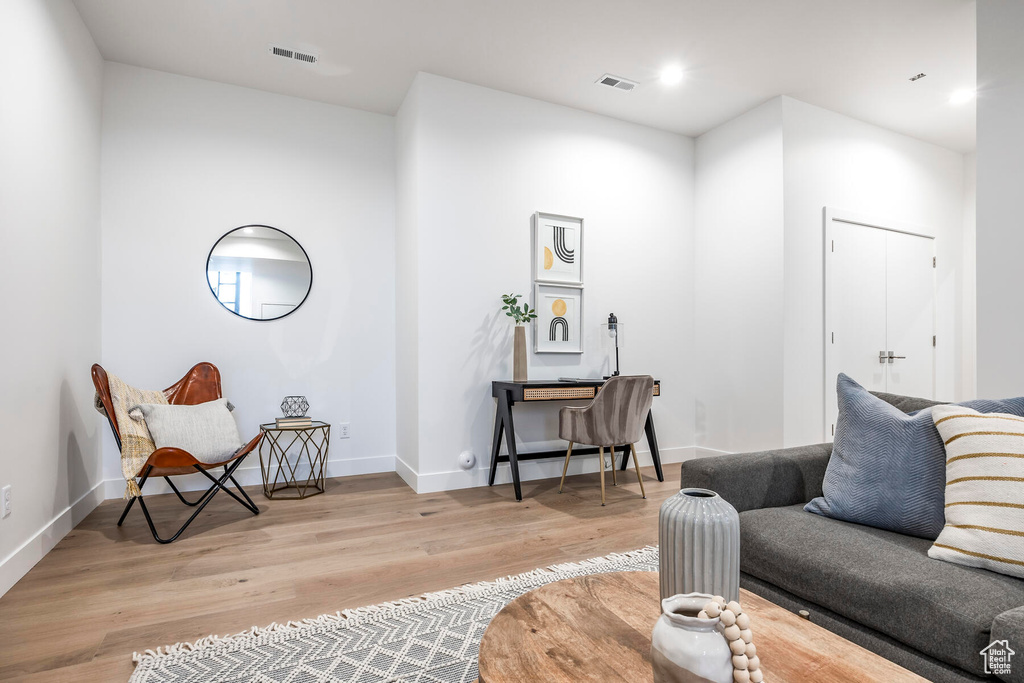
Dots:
(520, 314)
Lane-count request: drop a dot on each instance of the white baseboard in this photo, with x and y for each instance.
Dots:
(704, 452)
(19, 562)
(249, 475)
(407, 474)
(531, 470)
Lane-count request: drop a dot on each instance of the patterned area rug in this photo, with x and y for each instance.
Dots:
(434, 638)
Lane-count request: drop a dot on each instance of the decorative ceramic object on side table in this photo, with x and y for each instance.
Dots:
(521, 316)
(686, 647)
(700, 637)
(699, 537)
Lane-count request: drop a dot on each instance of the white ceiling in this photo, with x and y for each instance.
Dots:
(851, 56)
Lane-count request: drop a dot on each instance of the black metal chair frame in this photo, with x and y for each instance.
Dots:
(218, 485)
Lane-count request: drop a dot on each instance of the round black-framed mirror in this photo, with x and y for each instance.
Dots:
(259, 272)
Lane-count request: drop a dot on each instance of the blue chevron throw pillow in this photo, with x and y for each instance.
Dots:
(888, 468)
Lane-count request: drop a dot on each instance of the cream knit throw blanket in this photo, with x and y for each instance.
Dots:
(136, 443)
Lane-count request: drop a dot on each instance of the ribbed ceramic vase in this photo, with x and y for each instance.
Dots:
(699, 536)
(519, 354)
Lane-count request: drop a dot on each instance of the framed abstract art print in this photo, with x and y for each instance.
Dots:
(558, 327)
(557, 249)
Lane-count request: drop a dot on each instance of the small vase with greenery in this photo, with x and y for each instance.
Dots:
(521, 315)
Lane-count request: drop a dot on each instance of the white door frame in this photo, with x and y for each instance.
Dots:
(831, 215)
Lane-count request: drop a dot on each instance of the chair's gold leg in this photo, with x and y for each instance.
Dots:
(636, 466)
(601, 455)
(614, 483)
(566, 468)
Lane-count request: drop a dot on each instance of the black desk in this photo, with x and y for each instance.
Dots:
(509, 393)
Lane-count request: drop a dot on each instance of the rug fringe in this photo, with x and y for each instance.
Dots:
(358, 615)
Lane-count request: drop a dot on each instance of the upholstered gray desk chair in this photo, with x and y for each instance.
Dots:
(614, 418)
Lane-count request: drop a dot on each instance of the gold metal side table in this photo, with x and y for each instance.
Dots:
(312, 445)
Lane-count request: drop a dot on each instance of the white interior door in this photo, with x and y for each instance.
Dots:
(910, 314)
(855, 313)
(879, 298)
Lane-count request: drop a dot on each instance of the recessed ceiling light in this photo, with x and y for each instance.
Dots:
(671, 75)
(247, 231)
(961, 97)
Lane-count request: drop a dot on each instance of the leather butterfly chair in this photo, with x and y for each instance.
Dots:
(614, 418)
(199, 385)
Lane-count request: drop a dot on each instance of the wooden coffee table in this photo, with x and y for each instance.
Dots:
(598, 628)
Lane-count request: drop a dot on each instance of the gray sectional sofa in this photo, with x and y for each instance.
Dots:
(876, 588)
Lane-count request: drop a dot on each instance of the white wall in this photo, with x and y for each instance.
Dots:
(1000, 179)
(762, 183)
(835, 161)
(969, 370)
(739, 282)
(484, 161)
(50, 97)
(408, 174)
(186, 160)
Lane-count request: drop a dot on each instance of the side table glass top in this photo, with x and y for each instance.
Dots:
(271, 426)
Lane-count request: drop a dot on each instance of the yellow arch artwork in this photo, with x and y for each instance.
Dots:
(549, 259)
(559, 308)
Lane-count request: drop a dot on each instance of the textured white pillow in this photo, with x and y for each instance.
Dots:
(984, 490)
(206, 430)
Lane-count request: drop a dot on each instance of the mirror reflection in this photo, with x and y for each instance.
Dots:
(259, 272)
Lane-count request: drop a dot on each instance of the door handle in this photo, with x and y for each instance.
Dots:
(889, 357)
(893, 357)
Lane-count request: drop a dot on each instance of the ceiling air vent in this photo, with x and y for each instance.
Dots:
(288, 53)
(617, 82)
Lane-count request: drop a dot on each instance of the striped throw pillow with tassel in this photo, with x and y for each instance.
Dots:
(984, 490)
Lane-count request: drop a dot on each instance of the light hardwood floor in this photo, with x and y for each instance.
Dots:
(106, 592)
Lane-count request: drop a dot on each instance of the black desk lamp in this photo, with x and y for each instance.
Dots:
(613, 332)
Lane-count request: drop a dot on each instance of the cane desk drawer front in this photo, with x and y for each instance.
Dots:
(554, 393)
(566, 393)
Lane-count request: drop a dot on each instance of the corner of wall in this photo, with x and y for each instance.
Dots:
(1000, 176)
(739, 225)
(969, 374)
(407, 304)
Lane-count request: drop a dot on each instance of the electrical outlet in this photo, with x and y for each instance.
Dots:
(5, 501)
(343, 430)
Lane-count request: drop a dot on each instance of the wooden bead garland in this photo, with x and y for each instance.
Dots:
(735, 626)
